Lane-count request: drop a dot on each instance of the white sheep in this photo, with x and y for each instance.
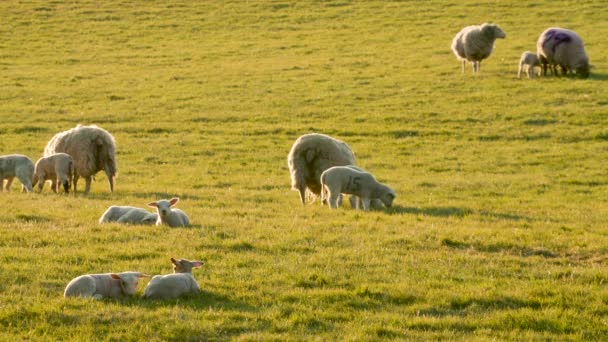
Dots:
(343, 179)
(559, 46)
(528, 61)
(16, 165)
(92, 148)
(98, 286)
(58, 168)
(171, 286)
(169, 216)
(128, 215)
(475, 43)
(310, 155)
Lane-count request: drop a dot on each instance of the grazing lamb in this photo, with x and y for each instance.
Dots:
(475, 43)
(310, 155)
(355, 202)
(169, 216)
(343, 179)
(92, 148)
(98, 286)
(59, 168)
(128, 215)
(16, 165)
(559, 46)
(528, 61)
(171, 286)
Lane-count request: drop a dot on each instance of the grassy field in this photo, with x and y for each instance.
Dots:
(500, 228)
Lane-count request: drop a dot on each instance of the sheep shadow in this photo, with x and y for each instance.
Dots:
(203, 301)
(598, 77)
(150, 195)
(452, 212)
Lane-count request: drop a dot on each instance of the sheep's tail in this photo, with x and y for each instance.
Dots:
(298, 169)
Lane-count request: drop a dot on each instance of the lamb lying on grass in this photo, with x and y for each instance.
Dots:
(175, 285)
(128, 215)
(528, 61)
(16, 165)
(343, 179)
(98, 286)
(169, 216)
(58, 168)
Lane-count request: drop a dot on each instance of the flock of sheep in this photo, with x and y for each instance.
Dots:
(555, 47)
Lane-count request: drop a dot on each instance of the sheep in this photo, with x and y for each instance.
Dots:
(528, 61)
(16, 165)
(59, 168)
(310, 155)
(171, 286)
(559, 46)
(343, 179)
(98, 286)
(475, 43)
(169, 216)
(355, 202)
(92, 148)
(128, 215)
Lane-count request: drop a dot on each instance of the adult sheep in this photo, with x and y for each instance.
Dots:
(92, 148)
(310, 155)
(559, 46)
(475, 43)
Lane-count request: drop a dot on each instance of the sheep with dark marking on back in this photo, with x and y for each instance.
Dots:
(475, 43)
(557, 46)
(92, 148)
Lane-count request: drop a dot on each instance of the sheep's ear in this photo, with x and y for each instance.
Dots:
(143, 275)
(197, 264)
(115, 276)
(174, 200)
(174, 261)
(153, 204)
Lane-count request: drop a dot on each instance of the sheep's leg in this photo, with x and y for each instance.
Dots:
(66, 186)
(1, 184)
(519, 70)
(333, 199)
(75, 182)
(302, 190)
(111, 181)
(464, 63)
(54, 185)
(9, 182)
(340, 200)
(87, 184)
(366, 202)
(530, 72)
(26, 185)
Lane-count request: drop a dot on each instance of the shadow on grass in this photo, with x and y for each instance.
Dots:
(451, 212)
(598, 77)
(203, 301)
(460, 306)
(507, 248)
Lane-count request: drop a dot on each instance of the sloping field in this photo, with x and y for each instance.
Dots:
(499, 230)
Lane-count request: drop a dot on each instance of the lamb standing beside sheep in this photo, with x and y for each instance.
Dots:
(559, 46)
(343, 179)
(16, 165)
(171, 286)
(128, 215)
(92, 148)
(310, 155)
(59, 168)
(475, 43)
(169, 216)
(98, 286)
(528, 61)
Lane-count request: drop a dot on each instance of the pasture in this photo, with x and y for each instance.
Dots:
(499, 229)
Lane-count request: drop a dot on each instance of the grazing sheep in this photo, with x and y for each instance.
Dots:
(59, 168)
(169, 216)
(16, 165)
(343, 179)
(475, 43)
(355, 202)
(92, 148)
(128, 215)
(528, 61)
(559, 46)
(310, 155)
(171, 286)
(98, 286)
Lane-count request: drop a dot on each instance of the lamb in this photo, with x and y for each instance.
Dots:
(310, 155)
(528, 61)
(98, 286)
(16, 165)
(475, 43)
(92, 148)
(355, 202)
(171, 286)
(343, 179)
(559, 46)
(169, 216)
(59, 168)
(128, 215)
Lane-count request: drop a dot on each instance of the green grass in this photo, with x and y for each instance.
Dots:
(499, 229)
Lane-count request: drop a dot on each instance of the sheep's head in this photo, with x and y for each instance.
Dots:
(164, 206)
(583, 69)
(388, 197)
(493, 31)
(128, 281)
(150, 218)
(185, 266)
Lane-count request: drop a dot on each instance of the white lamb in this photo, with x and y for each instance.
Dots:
(343, 179)
(169, 216)
(559, 46)
(58, 168)
(528, 61)
(16, 165)
(98, 286)
(171, 286)
(128, 215)
(475, 43)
